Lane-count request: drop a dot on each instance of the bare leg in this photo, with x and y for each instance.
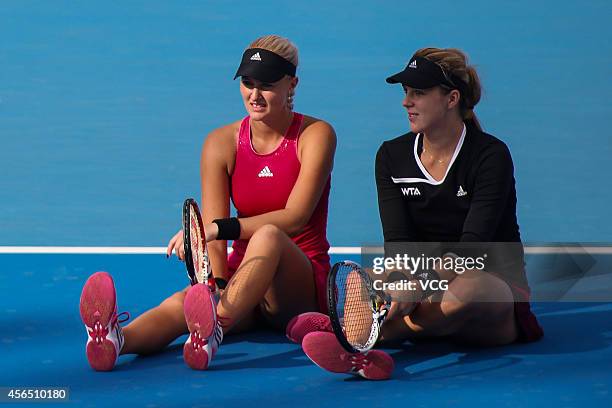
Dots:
(274, 274)
(156, 328)
(478, 308)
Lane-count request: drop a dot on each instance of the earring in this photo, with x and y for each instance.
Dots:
(290, 100)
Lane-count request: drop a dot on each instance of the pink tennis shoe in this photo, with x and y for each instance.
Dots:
(305, 323)
(314, 331)
(205, 332)
(325, 351)
(98, 308)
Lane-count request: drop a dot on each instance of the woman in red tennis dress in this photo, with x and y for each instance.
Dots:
(275, 166)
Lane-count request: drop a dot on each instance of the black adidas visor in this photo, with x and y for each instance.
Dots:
(264, 66)
(421, 73)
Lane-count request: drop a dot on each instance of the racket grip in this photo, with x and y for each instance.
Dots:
(221, 283)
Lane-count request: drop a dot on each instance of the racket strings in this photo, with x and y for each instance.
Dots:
(355, 307)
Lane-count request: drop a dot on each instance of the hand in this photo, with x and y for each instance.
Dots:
(403, 301)
(177, 246)
(400, 309)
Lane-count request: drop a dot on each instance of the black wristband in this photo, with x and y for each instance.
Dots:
(229, 228)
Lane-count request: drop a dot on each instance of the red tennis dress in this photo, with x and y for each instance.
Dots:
(263, 182)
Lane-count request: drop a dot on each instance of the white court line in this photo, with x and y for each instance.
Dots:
(121, 250)
(80, 250)
(539, 250)
(591, 250)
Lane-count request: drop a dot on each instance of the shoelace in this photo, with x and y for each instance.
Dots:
(358, 360)
(98, 332)
(322, 324)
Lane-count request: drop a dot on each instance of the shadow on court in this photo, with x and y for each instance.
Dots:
(571, 330)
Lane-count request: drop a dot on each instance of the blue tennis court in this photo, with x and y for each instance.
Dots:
(103, 110)
(43, 344)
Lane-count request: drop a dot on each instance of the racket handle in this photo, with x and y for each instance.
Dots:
(221, 283)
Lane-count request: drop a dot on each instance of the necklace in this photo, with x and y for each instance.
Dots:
(439, 161)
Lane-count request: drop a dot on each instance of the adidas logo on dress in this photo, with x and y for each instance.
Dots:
(461, 192)
(412, 64)
(265, 172)
(256, 57)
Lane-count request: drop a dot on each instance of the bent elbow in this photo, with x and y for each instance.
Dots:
(297, 226)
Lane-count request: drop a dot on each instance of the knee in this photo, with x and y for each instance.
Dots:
(481, 288)
(484, 303)
(468, 293)
(175, 301)
(268, 234)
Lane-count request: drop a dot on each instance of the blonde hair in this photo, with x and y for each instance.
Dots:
(454, 63)
(278, 45)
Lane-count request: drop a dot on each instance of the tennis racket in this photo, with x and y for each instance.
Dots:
(356, 310)
(196, 252)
